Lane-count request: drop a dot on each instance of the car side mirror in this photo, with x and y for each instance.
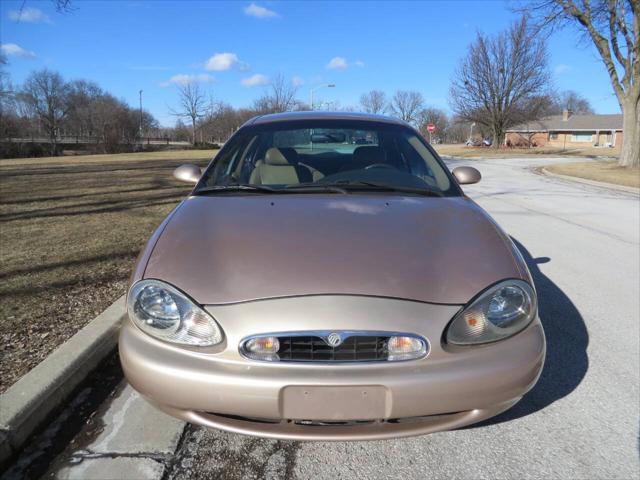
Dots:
(188, 173)
(466, 175)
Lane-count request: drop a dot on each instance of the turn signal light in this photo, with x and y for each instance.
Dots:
(405, 348)
(262, 348)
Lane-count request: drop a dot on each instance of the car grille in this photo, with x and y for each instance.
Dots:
(357, 348)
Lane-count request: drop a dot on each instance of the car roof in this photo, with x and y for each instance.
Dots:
(315, 115)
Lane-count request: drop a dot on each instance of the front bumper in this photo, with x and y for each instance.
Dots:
(447, 389)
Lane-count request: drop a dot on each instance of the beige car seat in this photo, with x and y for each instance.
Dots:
(276, 169)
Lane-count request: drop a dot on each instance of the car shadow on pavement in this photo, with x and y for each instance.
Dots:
(567, 339)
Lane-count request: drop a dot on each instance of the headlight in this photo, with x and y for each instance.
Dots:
(164, 312)
(500, 312)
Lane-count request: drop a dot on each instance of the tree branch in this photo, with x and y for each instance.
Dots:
(614, 35)
(601, 43)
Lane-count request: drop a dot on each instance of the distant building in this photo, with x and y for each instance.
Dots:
(568, 130)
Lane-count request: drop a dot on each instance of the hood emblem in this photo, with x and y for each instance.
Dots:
(334, 339)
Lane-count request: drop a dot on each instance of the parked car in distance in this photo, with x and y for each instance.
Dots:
(485, 142)
(331, 290)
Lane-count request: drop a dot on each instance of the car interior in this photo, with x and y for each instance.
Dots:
(286, 158)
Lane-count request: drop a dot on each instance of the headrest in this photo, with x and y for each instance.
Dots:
(275, 157)
(369, 155)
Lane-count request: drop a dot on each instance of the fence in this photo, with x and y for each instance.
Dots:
(89, 140)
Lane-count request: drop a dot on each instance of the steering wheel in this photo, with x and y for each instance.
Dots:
(378, 165)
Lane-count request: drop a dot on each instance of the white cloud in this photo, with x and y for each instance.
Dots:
(183, 79)
(255, 80)
(337, 63)
(257, 11)
(297, 81)
(11, 49)
(359, 63)
(28, 15)
(225, 61)
(561, 68)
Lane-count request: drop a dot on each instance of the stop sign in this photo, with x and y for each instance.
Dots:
(431, 127)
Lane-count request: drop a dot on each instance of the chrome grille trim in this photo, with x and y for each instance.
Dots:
(313, 346)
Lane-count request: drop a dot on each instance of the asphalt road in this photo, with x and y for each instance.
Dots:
(582, 244)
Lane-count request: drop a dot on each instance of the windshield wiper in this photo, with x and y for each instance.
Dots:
(236, 188)
(304, 188)
(362, 185)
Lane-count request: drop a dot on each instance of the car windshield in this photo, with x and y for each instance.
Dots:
(312, 156)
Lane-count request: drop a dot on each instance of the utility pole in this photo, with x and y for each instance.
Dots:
(140, 92)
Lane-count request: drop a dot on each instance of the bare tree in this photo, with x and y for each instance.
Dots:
(192, 104)
(502, 82)
(613, 26)
(495, 82)
(572, 101)
(374, 102)
(63, 5)
(82, 99)
(45, 95)
(407, 105)
(7, 101)
(280, 96)
(222, 121)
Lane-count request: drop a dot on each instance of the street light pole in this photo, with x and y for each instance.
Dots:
(140, 92)
(328, 85)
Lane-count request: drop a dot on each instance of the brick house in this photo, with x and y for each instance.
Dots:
(568, 130)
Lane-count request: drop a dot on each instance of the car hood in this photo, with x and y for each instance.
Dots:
(226, 249)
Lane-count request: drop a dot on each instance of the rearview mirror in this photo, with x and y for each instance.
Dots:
(330, 137)
(188, 173)
(466, 175)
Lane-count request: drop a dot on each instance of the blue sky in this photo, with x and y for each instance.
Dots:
(232, 48)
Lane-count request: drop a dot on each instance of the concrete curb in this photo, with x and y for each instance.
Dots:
(28, 402)
(593, 183)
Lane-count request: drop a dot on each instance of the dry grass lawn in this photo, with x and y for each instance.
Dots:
(608, 172)
(460, 150)
(70, 230)
(184, 155)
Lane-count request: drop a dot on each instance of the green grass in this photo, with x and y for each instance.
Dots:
(70, 230)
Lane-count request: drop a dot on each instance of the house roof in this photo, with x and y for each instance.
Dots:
(574, 122)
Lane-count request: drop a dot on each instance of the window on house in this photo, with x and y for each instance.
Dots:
(553, 136)
(582, 137)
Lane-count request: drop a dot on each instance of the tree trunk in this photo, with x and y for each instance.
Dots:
(193, 131)
(52, 141)
(498, 137)
(630, 153)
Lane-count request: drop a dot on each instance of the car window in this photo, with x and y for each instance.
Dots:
(285, 155)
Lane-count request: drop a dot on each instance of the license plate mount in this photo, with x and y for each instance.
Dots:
(334, 403)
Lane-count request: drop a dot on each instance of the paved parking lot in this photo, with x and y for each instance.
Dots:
(580, 421)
